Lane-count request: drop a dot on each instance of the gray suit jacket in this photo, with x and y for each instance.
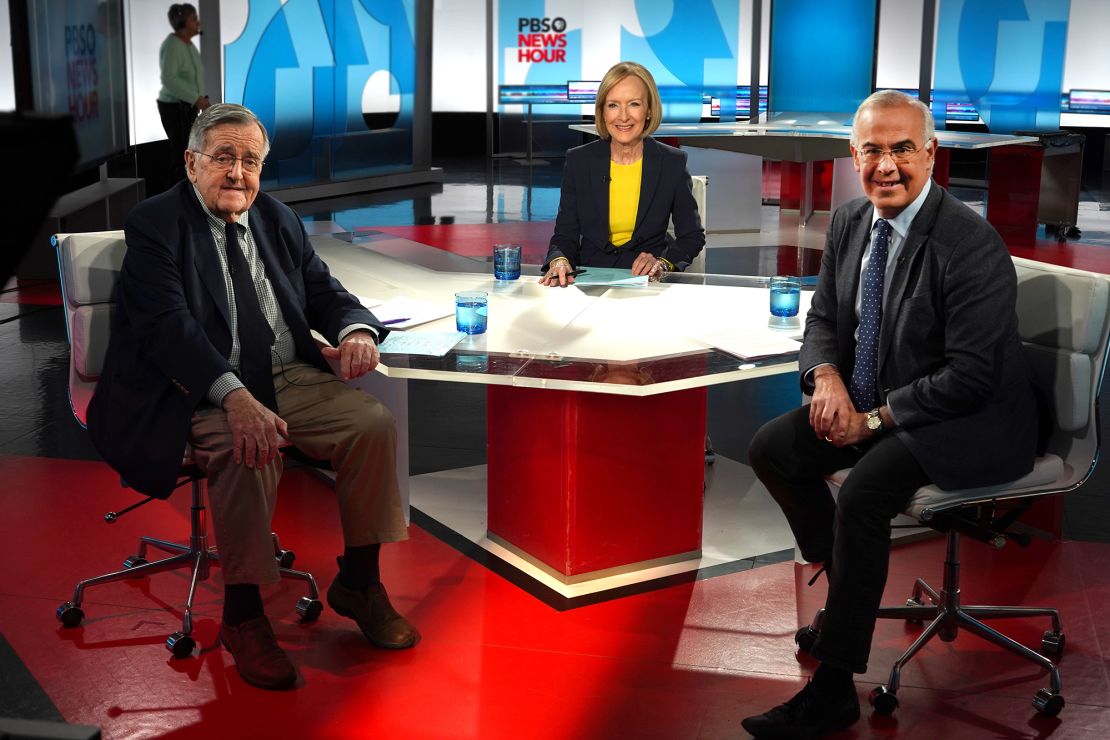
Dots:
(951, 366)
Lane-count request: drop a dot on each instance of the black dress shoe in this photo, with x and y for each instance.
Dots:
(808, 714)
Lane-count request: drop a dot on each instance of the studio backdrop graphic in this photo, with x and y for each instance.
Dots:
(1005, 57)
(332, 80)
(692, 48)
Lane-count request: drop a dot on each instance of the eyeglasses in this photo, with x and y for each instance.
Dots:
(226, 161)
(900, 154)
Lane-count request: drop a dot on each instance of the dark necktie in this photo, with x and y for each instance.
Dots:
(863, 388)
(256, 336)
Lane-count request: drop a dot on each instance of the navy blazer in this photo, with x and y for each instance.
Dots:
(951, 366)
(582, 226)
(171, 335)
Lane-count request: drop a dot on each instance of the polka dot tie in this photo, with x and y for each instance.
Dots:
(862, 388)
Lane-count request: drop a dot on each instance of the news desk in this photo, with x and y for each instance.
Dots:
(596, 401)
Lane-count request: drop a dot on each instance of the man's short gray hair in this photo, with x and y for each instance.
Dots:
(894, 99)
(224, 114)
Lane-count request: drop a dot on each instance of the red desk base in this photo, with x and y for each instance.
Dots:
(590, 484)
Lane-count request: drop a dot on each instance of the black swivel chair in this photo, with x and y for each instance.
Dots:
(89, 265)
(1064, 322)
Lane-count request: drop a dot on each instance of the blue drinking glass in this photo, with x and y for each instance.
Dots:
(786, 295)
(506, 261)
(471, 311)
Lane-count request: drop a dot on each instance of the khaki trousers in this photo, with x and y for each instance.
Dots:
(328, 420)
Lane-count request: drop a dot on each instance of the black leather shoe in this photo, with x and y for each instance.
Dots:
(808, 714)
(258, 658)
(373, 613)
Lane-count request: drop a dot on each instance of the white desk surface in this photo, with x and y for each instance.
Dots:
(952, 139)
(594, 339)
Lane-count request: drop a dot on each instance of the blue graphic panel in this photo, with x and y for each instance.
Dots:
(690, 46)
(822, 54)
(305, 66)
(552, 55)
(691, 56)
(1005, 57)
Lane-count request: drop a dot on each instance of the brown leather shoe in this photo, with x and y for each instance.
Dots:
(258, 658)
(376, 617)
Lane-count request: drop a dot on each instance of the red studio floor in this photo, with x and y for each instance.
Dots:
(687, 661)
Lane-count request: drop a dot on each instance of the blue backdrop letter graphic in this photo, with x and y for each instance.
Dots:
(1006, 57)
(302, 67)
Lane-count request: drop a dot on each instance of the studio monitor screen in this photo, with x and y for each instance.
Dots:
(76, 68)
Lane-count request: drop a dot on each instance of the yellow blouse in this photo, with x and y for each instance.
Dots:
(624, 199)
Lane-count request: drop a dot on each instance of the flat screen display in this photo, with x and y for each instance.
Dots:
(77, 68)
(582, 91)
(514, 94)
(961, 111)
(1089, 101)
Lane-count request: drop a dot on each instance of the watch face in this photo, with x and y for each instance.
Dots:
(874, 422)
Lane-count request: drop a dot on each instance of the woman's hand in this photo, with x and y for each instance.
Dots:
(557, 273)
(648, 264)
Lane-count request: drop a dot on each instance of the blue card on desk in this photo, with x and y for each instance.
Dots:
(613, 276)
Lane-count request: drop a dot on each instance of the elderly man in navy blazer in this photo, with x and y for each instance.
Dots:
(211, 346)
(913, 360)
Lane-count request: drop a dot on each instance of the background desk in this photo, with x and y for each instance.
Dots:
(730, 154)
(596, 405)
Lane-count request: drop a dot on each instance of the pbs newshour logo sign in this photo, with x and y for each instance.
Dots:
(541, 40)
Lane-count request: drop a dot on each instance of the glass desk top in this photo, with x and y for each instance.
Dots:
(629, 341)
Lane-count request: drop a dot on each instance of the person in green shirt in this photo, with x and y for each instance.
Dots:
(180, 99)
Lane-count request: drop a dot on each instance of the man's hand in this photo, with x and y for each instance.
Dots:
(831, 413)
(648, 264)
(357, 354)
(255, 429)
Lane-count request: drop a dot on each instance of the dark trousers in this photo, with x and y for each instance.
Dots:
(177, 120)
(851, 532)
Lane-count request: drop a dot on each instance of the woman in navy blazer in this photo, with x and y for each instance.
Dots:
(628, 110)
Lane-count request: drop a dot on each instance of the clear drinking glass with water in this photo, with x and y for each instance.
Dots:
(471, 311)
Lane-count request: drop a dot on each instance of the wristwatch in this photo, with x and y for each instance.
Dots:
(874, 421)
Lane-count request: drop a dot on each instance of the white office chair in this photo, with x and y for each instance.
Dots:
(89, 265)
(699, 184)
(1064, 322)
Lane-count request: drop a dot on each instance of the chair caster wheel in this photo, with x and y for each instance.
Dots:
(1052, 644)
(180, 644)
(805, 639)
(1048, 702)
(883, 701)
(134, 562)
(286, 558)
(69, 614)
(309, 609)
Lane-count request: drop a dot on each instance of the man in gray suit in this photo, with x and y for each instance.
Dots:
(915, 368)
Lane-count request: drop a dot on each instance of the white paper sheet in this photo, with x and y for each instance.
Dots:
(749, 343)
(403, 312)
(434, 343)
